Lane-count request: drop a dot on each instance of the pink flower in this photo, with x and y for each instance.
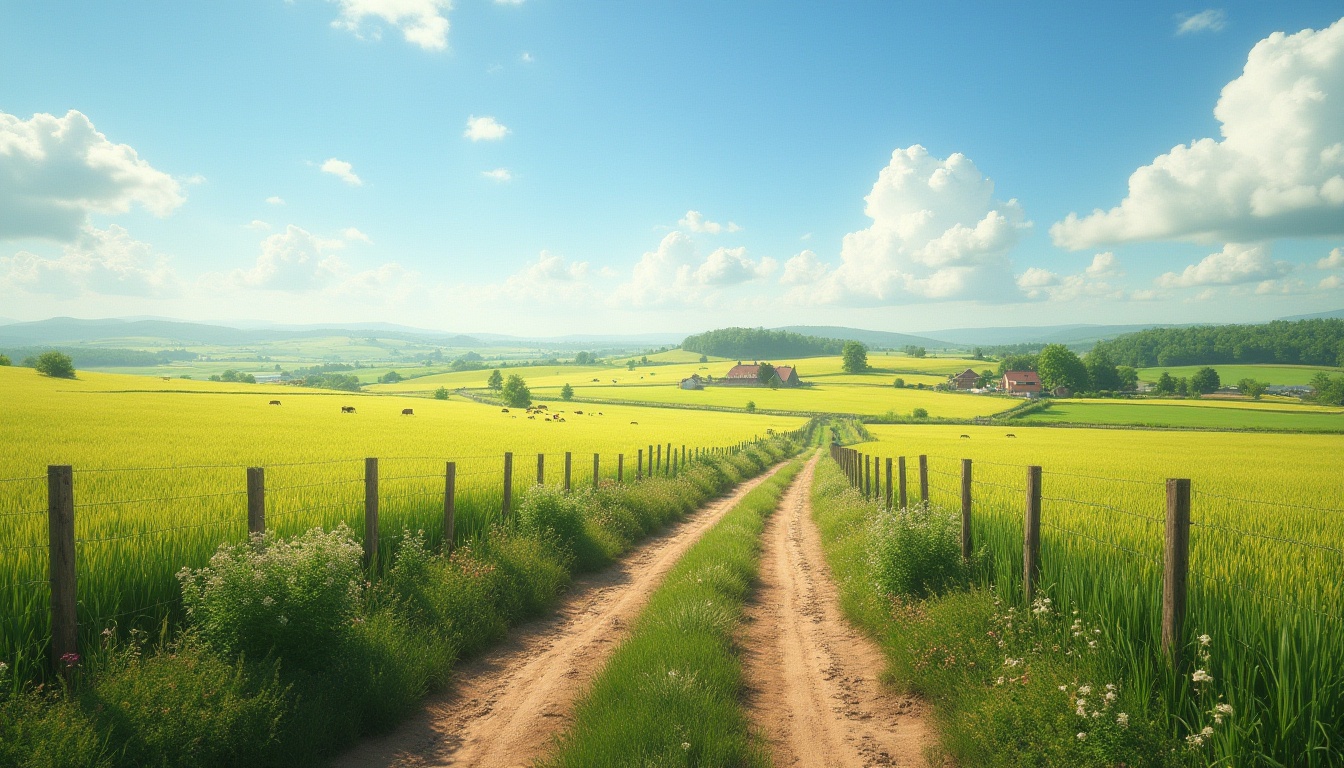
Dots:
(70, 659)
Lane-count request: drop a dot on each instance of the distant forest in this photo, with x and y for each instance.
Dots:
(1304, 342)
(759, 344)
(105, 357)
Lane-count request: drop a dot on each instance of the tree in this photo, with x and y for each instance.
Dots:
(584, 358)
(1166, 385)
(1058, 366)
(1017, 363)
(4, 360)
(920, 413)
(1205, 381)
(391, 377)
(978, 354)
(1183, 387)
(914, 351)
(55, 364)
(566, 393)
(515, 392)
(899, 383)
(855, 356)
(765, 373)
(704, 358)
(985, 378)
(1329, 389)
(630, 365)
(496, 380)
(751, 406)
(441, 393)
(1252, 388)
(1129, 378)
(1102, 373)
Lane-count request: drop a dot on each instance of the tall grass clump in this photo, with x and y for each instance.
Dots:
(916, 552)
(669, 696)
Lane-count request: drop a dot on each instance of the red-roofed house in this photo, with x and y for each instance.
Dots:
(750, 376)
(1022, 383)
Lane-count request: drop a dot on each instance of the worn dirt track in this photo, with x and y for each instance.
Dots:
(505, 707)
(812, 679)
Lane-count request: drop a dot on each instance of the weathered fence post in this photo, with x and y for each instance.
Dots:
(449, 505)
(508, 482)
(867, 476)
(569, 469)
(667, 468)
(658, 464)
(620, 467)
(1031, 538)
(596, 469)
(900, 477)
(966, 544)
(1176, 568)
(639, 466)
(888, 494)
(256, 500)
(650, 459)
(371, 512)
(541, 469)
(924, 478)
(61, 550)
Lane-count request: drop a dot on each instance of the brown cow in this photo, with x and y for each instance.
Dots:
(407, 411)
(503, 410)
(275, 402)
(347, 409)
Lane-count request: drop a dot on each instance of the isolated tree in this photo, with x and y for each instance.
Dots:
(391, 377)
(1102, 373)
(920, 413)
(515, 392)
(1058, 366)
(630, 365)
(751, 406)
(1129, 378)
(1166, 385)
(1205, 381)
(56, 364)
(441, 393)
(4, 360)
(496, 379)
(704, 359)
(899, 383)
(566, 393)
(1252, 388)
(855, 356)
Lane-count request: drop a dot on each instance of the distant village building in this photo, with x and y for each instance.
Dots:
(1022, 383)
(750, 376)
(965, 380)
(1061, 392)
(693, 382)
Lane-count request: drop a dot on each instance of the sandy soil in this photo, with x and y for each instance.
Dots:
(812, 679)
(505, 707)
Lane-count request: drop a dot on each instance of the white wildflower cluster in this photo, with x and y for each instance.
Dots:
(1040, 606)
(1094, 708)
(1221, 711)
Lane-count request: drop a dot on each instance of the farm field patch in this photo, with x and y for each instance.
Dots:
(1281, 375)
(1209, 413)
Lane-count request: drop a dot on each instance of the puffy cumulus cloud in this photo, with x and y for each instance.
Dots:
(675, 274)
(500, 175)
(258, 225)
(353, 235)
(485, 129)
(275, 200)
(422, 22)
(937, 233)
(1093, 282)
(294, 260)
(551, 278)
(1236, 264)
(385, 284)
(1334, 261)
(1330, 283)
(99, 261)
(1277, 171)
(803, 269)
(696, 222)
(341, 170)
(55, 171)
(1210, 20)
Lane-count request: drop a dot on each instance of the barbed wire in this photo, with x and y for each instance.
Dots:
(158, 531)
(1103, 542)
(1262, 593)
(22, 479)
(1267, 536)
(1107, 507)
(1286, 504)
(90, 504)
(1053, 473)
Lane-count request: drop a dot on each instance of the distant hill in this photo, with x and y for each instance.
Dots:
(1332, 314)
(1039, 334)
(69, 330)
(1317, 341)
(883, 339)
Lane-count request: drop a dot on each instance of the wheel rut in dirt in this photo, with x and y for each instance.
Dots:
(812, 678)
(504, 708)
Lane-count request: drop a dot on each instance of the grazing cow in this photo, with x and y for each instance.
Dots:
(579, 412)
(347, 409)
(170, 378)
(968, 437)
(531, 417)
(613, 381)
(275, 402)
(503, 410)
(407, 411)
(596, 380)
(1011, 435)
(560, 419)
(636, 423)
(541, 407)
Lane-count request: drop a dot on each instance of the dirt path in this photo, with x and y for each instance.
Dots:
(505, 707)
(812, 679)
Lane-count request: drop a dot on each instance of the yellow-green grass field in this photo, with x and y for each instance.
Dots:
(1266, 560)
(1278, 414)
(1229, 375)
(159, 474)
(821, 398)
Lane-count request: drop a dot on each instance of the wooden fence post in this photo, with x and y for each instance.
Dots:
(667, 468)
(508, 482)
(370, 512)
(596, 469)
(900, 477)
(966, 544)
(449, 505)
(256, 500)
(1176, 568)
(650, 459)
(888, 495)
(541, 469)
(61, 550)
(620, 467)
(658, 464)
(639, 466)
(867, 476)
(1031, 538)
(924, 478)
(569, 470)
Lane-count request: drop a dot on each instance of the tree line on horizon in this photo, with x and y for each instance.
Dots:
(759, 343)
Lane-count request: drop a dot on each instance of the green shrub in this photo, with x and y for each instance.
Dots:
(56, 364)
(916, 552)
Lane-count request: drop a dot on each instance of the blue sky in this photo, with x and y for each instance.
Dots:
(546, 167)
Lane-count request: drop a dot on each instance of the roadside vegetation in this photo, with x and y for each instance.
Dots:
(290, 651)
(670, 694)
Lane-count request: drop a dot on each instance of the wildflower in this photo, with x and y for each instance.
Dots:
(685, 745)
(1063, 687)
(1220, 711)
(999, 681)
(1110, 696)
(1194, 740)
(283, 620)
(672, 673)
(1200, 676)
(1084, 690)
(1122, 720)
(70, 659)
(3, 669)
(1205, 639)
(1206, 731)
(107, 633)
(268, 601)
(1082, 736)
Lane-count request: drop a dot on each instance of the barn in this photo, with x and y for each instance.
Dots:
(692, 382)
(750, 376)
(1022, 383)
(965, 380)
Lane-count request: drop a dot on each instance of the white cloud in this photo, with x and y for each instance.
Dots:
(696, 222)
(509, 2)
(258, 224)
(99, 261)
(1211, 20)
(55, 171)
(551, 278)
(1334, 261)
(674, 274)
(1331, 282)
(499, 174)
(293, 260)
(937, 233)
(386, 284)
(803, 269)
(1104, 265)
(484, 129)
(1093, 282)
(527, 58)
(194, 179)
(353, 235)
(275, 200)
(1236, 264)
(342, 170)
(422, 22)
(730, 266)
(1277, 171)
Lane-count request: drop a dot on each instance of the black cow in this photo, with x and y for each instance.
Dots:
(275, 402)
(407, 411)
(347, 409)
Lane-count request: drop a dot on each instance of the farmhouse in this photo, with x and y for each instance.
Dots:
(1022, 383)
(750, 376)
(693, 382)
(965, 380)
